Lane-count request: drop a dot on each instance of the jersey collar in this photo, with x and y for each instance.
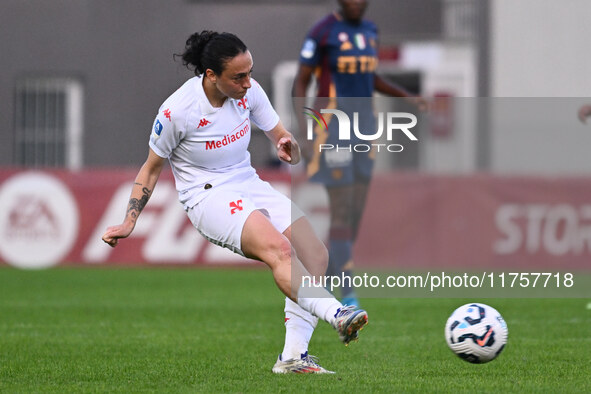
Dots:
(204, 104)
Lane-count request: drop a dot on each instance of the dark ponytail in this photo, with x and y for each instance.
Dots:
(212, 50)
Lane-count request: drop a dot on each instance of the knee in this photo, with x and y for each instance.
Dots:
(322, 260)
(279, 251)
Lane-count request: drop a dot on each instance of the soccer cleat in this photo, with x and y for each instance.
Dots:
(349, 321)
(306, 364)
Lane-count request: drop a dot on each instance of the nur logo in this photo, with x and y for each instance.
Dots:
(390, 122)
(317, 116)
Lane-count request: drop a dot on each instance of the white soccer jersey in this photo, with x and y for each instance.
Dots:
(207, 145)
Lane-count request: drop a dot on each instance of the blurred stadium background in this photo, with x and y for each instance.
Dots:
(81, 81)
(500, 180)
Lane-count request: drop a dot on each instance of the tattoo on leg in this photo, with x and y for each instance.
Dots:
(136, 206)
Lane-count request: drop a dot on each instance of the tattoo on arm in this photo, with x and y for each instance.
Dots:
(136, 206)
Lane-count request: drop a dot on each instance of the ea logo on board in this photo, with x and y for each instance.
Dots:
(38, 220)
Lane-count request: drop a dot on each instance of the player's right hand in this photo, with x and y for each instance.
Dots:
(114, 233)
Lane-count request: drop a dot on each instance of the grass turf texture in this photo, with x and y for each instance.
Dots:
(196, 330)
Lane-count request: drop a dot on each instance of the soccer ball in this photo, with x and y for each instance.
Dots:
(477, 333)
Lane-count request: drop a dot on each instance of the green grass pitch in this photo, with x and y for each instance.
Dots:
(204, 330)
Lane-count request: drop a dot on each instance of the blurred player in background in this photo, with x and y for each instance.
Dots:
(203, 129)
(341, 52)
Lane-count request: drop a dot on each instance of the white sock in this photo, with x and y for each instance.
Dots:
(299, 327)
(325, 306)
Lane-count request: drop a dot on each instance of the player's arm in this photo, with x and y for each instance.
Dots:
(388, 88)
(288, 149)
(391, 89)
(302, 80)
(143, 187)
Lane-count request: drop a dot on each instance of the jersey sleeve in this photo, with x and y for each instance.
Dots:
(165, 134)
(310, 53)
(312, 50)
(262, 112)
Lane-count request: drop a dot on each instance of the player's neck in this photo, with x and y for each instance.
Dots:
(356, 21)
(215, 97)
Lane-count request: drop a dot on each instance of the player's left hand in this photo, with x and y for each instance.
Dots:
(419, 102)
(288, 150)
(114, 233)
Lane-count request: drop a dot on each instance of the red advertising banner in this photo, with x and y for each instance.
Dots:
(477, 221)
(411, 221)
(58, 217)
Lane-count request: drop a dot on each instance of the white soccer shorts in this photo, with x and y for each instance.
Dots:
(221, 215)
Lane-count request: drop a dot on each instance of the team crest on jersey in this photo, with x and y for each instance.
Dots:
(243, 102)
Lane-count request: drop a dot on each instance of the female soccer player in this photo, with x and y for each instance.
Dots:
(203, 129)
